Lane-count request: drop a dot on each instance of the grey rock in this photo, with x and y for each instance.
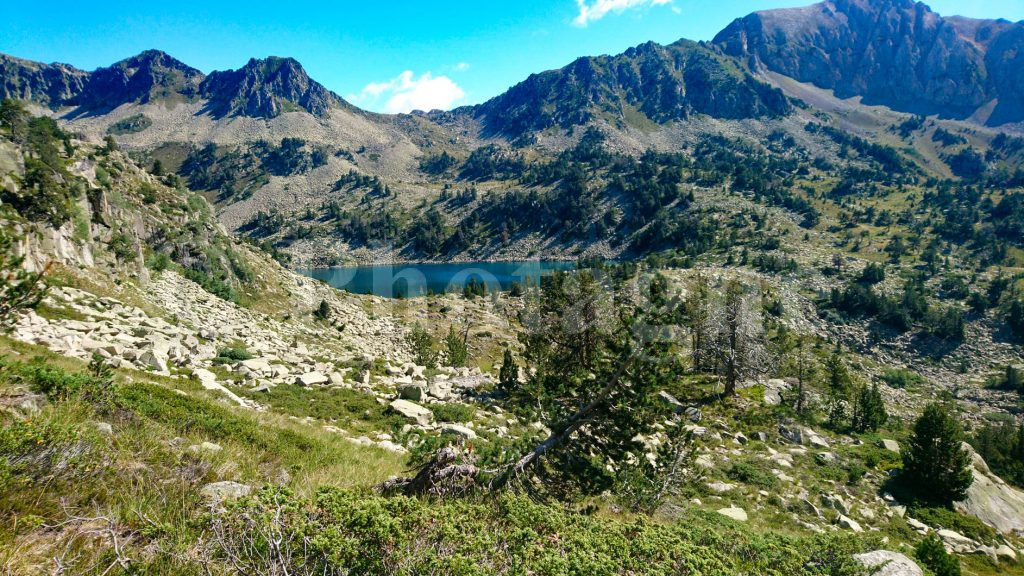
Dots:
(670, 401)
(220, 492)
(886, 563)
(849, 523)
(412, 411)
(890, 445)
(738, 514)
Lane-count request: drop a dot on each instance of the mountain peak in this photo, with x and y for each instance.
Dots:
(149, 76)
(266, 88)
(897, 53)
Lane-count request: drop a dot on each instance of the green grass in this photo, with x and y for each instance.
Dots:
(354, 411)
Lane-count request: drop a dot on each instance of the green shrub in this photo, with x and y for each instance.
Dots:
(453, 412)
(342, 531)
(939, 517)
(230, 354)
(59, 385)
(933, 555)
(753, 472)
(900, 378)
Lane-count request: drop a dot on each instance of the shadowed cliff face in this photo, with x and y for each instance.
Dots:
(892, 52)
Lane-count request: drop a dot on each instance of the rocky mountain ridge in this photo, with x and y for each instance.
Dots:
(262, 88)
(897, 53)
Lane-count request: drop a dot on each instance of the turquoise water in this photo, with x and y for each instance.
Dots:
(411, 280)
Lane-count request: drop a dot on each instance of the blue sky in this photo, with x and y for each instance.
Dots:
(386, 55)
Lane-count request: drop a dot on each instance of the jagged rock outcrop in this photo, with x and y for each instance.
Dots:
(664, 83)
(897, 53)
(266, 88)
(150, 76)
(51, 85)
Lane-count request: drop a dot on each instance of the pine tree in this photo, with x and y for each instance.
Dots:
(457, 346)
(869, 410)
(935, 465)
(508, 376)
(323, 312)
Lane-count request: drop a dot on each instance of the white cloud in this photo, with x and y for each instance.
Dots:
(462, 66)
(594, 10)
(406, 92)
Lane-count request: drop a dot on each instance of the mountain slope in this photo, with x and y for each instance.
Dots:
(663, 83)
(52, 85)
(892, 52)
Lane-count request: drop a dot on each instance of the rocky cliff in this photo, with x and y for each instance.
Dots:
(897, 53)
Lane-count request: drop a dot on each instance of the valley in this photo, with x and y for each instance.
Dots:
(746, 306)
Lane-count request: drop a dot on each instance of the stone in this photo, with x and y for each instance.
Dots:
(392, 447)
(721, 487)
(809, 507)
(704, 461)
(151, 359)
(773, 390)
(105, 428)
(917, 525)
(737, 514)
(412, 392)
(220, 492)
(412, 411)
(890, 445)
(693, 413)
(791, 435)
(697, 431)
(815, 440)
(739, 438)
(258, 365)
(835, 502)
(207, 447)
(955, 540)
(459, 430)
(312, 379)
(669, 400)
(826, 457)
(1004, 552)
(849, 523)
(886, 563)
(336, 379)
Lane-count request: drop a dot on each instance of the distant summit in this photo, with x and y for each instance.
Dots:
(266, 88)
(662, 83)
(151, 76)
(896, 53)
(262, 88)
